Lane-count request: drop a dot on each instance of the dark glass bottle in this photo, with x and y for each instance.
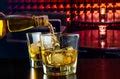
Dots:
(17, 23)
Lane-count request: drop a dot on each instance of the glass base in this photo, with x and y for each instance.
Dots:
(72, 76)
(35, 64)
(59, 71)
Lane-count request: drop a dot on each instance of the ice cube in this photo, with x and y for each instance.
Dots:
(34, 48)
(69, 51)
(57, 59)
(69, 48)
(67, 60)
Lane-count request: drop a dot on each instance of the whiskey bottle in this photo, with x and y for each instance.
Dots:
(17, 23)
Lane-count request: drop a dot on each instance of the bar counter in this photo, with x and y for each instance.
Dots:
(96, 68)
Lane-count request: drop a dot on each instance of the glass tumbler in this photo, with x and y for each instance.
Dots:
(59, 53)
(34, 49)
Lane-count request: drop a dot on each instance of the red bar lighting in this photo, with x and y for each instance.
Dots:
(41, 7)
(48, 6)
(61, 6)
(67, 6)
(54, 6)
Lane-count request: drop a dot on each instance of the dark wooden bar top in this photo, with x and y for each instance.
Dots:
(96, 68)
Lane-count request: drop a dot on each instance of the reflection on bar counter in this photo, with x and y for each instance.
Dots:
(73, 76)
(36, 74)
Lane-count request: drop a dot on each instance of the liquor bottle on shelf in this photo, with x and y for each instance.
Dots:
(68, 18)
(110, 16)
(75, 15)
(67, 7)
(103, 12)
(81, 6)
(74, 12)
(89, 16)
(95, 16)
(54, 7)
(82, 16)
(117, 15)
(117, 5)
(68, 12)
(47, 4)
(61, 8)
(110, 5)
(88, 6)
(95, 6)
(74, 6)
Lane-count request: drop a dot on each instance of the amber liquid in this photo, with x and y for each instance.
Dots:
(56, 60)
(59, 61)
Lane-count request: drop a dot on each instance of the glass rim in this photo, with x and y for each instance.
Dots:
(33, 33)
(62, 34)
